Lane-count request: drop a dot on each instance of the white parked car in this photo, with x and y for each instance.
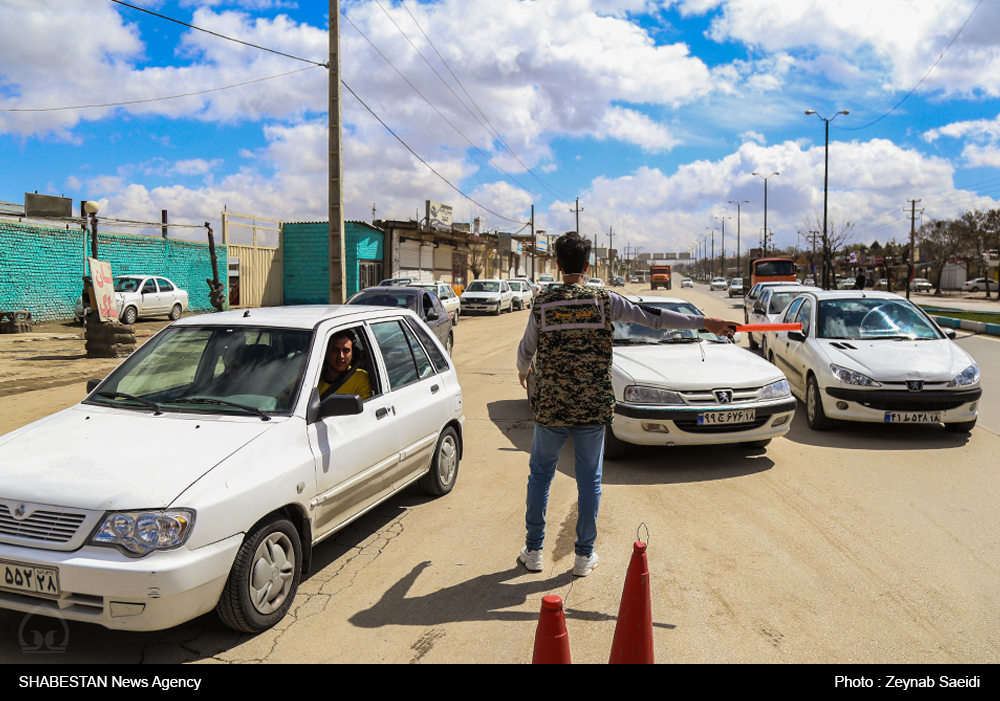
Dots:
(449, 300)
(143, 296)
(875, 357)
(978, 284)
(718, 283)
(522, 294)
(595, 282)
(691, 388)
(755, 291)
(770, 307)
(236, 466)
(492, 296)
(921, 284)
(736, 287)
(687, 282)
(544, 279)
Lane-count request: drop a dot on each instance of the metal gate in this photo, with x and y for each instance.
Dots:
(255, 260)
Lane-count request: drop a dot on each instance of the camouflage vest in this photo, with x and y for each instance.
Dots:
(573, 362)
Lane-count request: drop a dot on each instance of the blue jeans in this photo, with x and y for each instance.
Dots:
(588, 444)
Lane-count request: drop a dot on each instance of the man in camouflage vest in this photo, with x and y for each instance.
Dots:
(569, 338)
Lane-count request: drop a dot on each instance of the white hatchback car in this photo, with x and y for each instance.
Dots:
(523, 295)
(874, 357)
(692, 388)
(202, 472)
(143, 296)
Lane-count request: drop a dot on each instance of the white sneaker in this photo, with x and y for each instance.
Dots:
(585, 565)
(532, 559)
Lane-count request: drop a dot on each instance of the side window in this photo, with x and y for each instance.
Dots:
(149, 287)
(365, 376)
(164, 285)
(437, 305)
(792, 310)
(805, 312)
(401, 363)
(440, 364)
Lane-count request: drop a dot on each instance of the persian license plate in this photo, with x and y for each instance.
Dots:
(912, 417)
(733, 416)
(22, 577)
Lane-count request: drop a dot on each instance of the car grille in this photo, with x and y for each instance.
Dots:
(689, 426)
(707, 398)
(43, 526)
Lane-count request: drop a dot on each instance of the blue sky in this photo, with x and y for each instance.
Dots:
(654, 113)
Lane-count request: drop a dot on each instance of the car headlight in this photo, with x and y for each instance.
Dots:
(776, 390)
(969, 376)
(651, 395)
(851, 377)
(138, 533)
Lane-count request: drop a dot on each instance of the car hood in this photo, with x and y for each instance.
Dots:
(112, 459)
(887, 360)
(682, 366)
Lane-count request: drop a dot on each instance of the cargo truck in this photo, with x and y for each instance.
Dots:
(659, 276)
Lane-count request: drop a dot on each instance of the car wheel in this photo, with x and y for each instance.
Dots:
(763, 346)
(613, 446)
(961, 427)
(444, 466)
(264, 578)
(818, 420)
(175, 313)
(498, 311)
(129, 315)
(450, 344)
(974, 289)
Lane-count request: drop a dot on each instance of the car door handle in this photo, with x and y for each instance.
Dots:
(379, 413)
(434, 388)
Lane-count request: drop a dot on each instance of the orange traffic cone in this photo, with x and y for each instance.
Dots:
(551, 638)
(633, 643)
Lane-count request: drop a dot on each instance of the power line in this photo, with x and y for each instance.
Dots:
(222, 36)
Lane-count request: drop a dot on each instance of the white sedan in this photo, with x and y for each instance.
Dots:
(769, 308)
(144, 296)
(237, 465)
(687, 282)
(522, 294)
(487, 296)
(874, 357)
(692, 388)
(718, 283)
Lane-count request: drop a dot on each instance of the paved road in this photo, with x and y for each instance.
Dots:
(861, 545)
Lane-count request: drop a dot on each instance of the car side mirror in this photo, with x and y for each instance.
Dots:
(758, 309)
(333, 405)
(796, 336)
(950, 333)
(92, 384)
(431, 315)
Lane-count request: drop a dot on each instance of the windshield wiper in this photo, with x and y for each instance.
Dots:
(681, 340)
(632, 341)
(121, 395)
(222, 402)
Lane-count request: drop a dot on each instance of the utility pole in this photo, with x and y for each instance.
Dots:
(913, 231)
(338, 272)
(534, 244)
(577, 210)
(611, 244)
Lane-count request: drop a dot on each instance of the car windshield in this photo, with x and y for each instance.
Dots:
(781, 300)
(127, 284)
(872, 318)
(386, 298)
(628, 333)
(218, 369)
(483, 286)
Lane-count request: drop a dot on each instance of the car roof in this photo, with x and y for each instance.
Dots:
(650, 299)
(853, 294)
(306, 316)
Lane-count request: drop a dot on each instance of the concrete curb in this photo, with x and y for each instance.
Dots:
(967, 325)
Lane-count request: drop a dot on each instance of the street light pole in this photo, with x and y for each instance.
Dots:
(738, 205)
(723, 220)
(765, 205)
(826, 193)
(713, 248)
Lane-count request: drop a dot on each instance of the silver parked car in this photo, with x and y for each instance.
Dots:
(143, 296)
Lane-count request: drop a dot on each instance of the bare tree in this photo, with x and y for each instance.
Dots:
(838, 236)
(939, 242)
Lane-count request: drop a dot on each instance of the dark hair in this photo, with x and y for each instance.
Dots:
(572, 252)
(344, 333)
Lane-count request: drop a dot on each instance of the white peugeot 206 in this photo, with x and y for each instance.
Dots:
(692, 388)
(201, 472)
(874, 357)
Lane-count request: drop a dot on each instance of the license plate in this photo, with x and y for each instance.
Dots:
(21, 577)
(912, 417)
(735, 416)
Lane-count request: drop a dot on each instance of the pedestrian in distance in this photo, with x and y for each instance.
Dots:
(860, 281)
(568, 346)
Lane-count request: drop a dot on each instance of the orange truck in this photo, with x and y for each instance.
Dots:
(659, 276)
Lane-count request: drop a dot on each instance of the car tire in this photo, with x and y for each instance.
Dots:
(763, 347)
(499, 310)
(129, 315)
(974, 289)
(450, 344)
(614, 447)
(264, 577)
(175, 312)
(444, 467)
(817, 418)
(961, 427)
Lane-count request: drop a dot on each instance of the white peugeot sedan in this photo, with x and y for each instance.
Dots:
(874, 357)
(718, 283)
(691, 388)
(769, 307)
(202, 472)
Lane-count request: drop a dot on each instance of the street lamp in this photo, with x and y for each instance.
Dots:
(738, 205)
(765, 205)
(712, 259)
(723, 220)
(826, 193)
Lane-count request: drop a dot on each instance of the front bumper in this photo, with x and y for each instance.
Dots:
(656, 425)
(872, 405)
(100, 585)
(479, 306)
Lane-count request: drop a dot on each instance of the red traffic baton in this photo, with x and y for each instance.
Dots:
(760, 328)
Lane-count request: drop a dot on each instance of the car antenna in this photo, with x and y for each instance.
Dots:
(246, 313)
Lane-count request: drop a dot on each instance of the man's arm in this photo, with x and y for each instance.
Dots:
(624, 310)
(526, 350)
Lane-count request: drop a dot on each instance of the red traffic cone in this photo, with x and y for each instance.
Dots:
(551, 638)
(633, 643)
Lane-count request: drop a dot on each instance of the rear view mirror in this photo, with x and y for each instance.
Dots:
(333, 405)
(796, 336)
